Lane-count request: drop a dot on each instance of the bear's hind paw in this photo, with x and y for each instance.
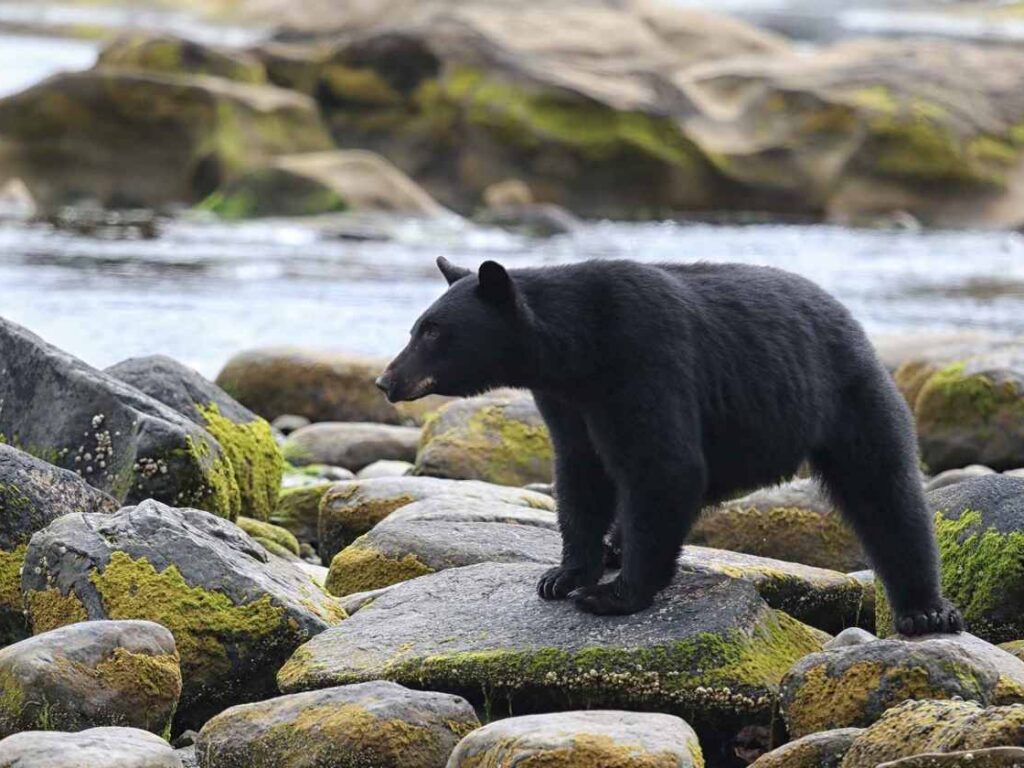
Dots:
(938, 619)
(557, 583)
(609, 599)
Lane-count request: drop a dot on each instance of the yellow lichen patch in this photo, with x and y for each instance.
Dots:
(49, 609)
(10, 578)
(261, 530)
(152, 675)
(204, 622)
(342, 524)
(361, 568)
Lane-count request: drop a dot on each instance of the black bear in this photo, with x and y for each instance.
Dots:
(669, 387)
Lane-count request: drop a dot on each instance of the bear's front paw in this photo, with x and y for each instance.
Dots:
(941, 618)
(557, 583)
(610, 599)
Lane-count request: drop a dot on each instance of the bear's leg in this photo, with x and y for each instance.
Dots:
(586, 501)
(653, 455)
(869, 468)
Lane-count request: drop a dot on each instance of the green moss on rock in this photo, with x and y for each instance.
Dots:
(51, 608)
(261, 530)
(360, 568)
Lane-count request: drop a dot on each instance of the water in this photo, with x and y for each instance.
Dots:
(204, 290)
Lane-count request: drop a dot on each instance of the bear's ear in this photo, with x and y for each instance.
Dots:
(495, 284)
(450, 271)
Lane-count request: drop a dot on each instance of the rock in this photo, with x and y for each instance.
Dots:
(592, 738)
(16, 201)
(322, 182)
(103, 135)
(996, 757)
(298, 511)
(498, 438)
(709, 647)
(981, 547)
(918, 727)
(793, 521)
(287, 423)
(537, 220)
(352, 445)
(867, 127)
(94, 748)
(824, 599)
(357, 600)
(972, 412)
(954, 476)
(172, 55)
(188, 757)
(246, 440)
(236, 613)
(575, 101)
(456, 506)
(33, 493)
(508, 193)
(397, 550)
(854, 685)
(849, 637)
(913, 373)
(313, 474)
(120, 440)
(385, 468)
(896, 349)
(818, 750)
(375, 723)
(318, 385)
(94, 673)
(269, 532)
(349, 510)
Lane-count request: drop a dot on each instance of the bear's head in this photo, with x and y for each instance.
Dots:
(470, 340)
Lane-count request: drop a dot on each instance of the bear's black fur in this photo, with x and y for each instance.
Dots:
(670, 387)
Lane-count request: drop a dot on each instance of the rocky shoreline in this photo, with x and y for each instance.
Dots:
(174, 592)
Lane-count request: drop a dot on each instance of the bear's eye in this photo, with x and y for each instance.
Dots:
(430, 332)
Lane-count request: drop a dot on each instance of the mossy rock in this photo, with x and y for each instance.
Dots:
(979, 525)
(259, 529)
(94, 673)
(793, 521)
(817, 750)
(298, 511)
(117, 438)
(398, 550)
(568, 739)
(828, 600)
(106, 747)
(350, 509)
(236, 612)
(246, 440)
(376, 723)
(33, 493)
(177, 56)
(995, 757)
(497, 438)
(131, 138)
(322, 182)
(972, 413)
(852, 687)
(918, 727)
(318, 385)
(710, 648)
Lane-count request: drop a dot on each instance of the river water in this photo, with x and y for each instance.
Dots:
(203, 290)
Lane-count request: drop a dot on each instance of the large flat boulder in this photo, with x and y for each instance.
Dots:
(352, 445)
(236, 612)
(33, 493)
(94, 673)
(378, 724)
(819, 750)
(246, 440)
(710, 647)
(120, 440)
(132, 138)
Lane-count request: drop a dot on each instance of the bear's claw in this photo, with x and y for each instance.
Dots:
(939, 619)
(557, 583)
(609, 599)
